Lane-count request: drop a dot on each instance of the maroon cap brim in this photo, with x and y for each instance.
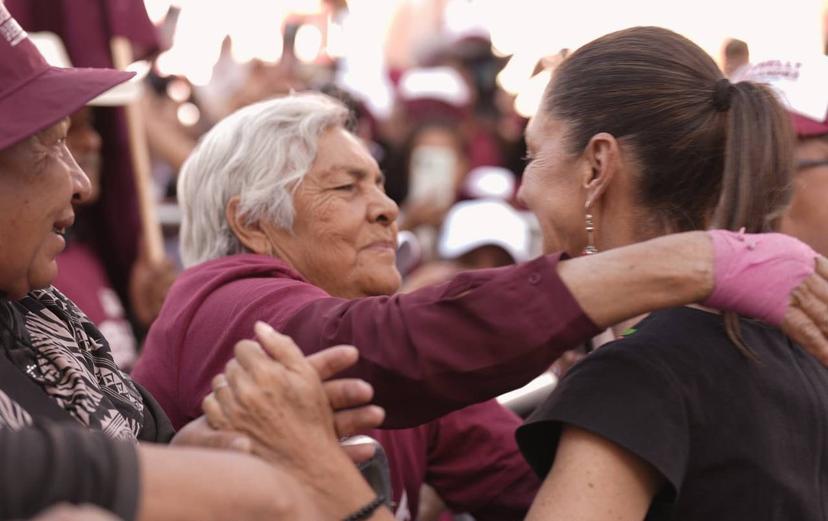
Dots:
(807, 127)
(51, 96)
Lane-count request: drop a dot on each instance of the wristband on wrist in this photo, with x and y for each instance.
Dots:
(366, 511)
(755, 274)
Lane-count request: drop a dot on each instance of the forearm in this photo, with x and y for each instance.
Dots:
(192, 484)
(626, 282)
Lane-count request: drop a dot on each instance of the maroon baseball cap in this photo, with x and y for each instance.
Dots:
(35, 95)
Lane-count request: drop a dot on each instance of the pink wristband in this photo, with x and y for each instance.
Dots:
(755, 274)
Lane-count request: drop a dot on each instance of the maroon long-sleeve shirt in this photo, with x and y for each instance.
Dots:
(426, 353)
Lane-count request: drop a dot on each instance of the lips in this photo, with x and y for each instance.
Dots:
(383, 245)
(61, 226)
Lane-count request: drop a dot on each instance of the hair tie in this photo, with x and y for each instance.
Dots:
(722, 94)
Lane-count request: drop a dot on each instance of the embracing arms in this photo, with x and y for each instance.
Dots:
(762, 276)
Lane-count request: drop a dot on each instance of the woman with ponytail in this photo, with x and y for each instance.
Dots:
(690, 414)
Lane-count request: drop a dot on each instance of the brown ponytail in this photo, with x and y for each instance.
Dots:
(759, 161)
(711, 154)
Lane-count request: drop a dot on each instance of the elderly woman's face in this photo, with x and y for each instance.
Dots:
(344, 235)
(38, 181)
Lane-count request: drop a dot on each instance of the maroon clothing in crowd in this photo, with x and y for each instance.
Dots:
(426, 353)
(469, 457)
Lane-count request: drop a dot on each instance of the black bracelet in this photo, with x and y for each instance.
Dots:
(366, 511)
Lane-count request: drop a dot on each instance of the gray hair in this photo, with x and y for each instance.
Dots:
(260, 153)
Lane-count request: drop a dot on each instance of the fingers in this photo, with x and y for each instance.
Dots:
(347, 393)
(360, 453)
(356, 421)
(250, 354)
(812, 298)
(242, 385)
(226, 440)
(220, 385)
(822, 266)
(214, 413)
(802, 329)
(333, 360)
(279, 346)
(200, 433)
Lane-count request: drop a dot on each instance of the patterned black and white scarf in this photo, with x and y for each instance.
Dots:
(57, 346)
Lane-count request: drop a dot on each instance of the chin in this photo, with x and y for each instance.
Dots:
(385, 285)
(42, 277)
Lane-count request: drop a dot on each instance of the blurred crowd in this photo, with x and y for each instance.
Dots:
(182, 241)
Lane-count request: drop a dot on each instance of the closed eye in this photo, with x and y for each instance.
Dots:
(345, 188)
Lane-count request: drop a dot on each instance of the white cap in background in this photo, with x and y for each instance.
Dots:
(482, 222)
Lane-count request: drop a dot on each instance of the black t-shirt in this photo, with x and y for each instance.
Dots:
(735, 439)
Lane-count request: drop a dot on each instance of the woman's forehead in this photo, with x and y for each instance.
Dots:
(339, 150)
(538, 126)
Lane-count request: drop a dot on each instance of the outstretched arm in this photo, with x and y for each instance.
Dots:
(626, 282)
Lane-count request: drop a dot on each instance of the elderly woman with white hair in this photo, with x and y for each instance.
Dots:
(285, 221)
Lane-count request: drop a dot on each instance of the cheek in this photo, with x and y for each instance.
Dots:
(334, 225)
(557, 203)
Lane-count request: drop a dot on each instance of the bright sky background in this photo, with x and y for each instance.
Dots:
(523, 29)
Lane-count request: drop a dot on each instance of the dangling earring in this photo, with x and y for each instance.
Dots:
(590, 228)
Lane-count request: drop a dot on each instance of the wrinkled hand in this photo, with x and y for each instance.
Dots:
(199, 433)
(275, 395)
(806, 319)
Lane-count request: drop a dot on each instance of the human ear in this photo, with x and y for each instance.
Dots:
(250, 234)
(602, 156)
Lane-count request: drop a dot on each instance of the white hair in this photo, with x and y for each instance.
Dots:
(260, 153)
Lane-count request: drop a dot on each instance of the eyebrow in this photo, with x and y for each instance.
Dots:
(357, 173)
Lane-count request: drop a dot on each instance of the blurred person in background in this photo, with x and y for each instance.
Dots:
(476, 234)
(431, 109)
(801, 86)
(301, 235)
(70, 419)
(435, 163)
(734, 56)
(494, 130)
(691, 414)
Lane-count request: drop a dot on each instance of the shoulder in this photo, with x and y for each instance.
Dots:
(631, 392)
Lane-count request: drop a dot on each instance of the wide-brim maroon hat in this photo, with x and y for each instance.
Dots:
(35, 95)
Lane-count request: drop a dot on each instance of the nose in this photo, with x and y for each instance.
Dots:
(520, 196)
(383, 209)
(81, 187)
